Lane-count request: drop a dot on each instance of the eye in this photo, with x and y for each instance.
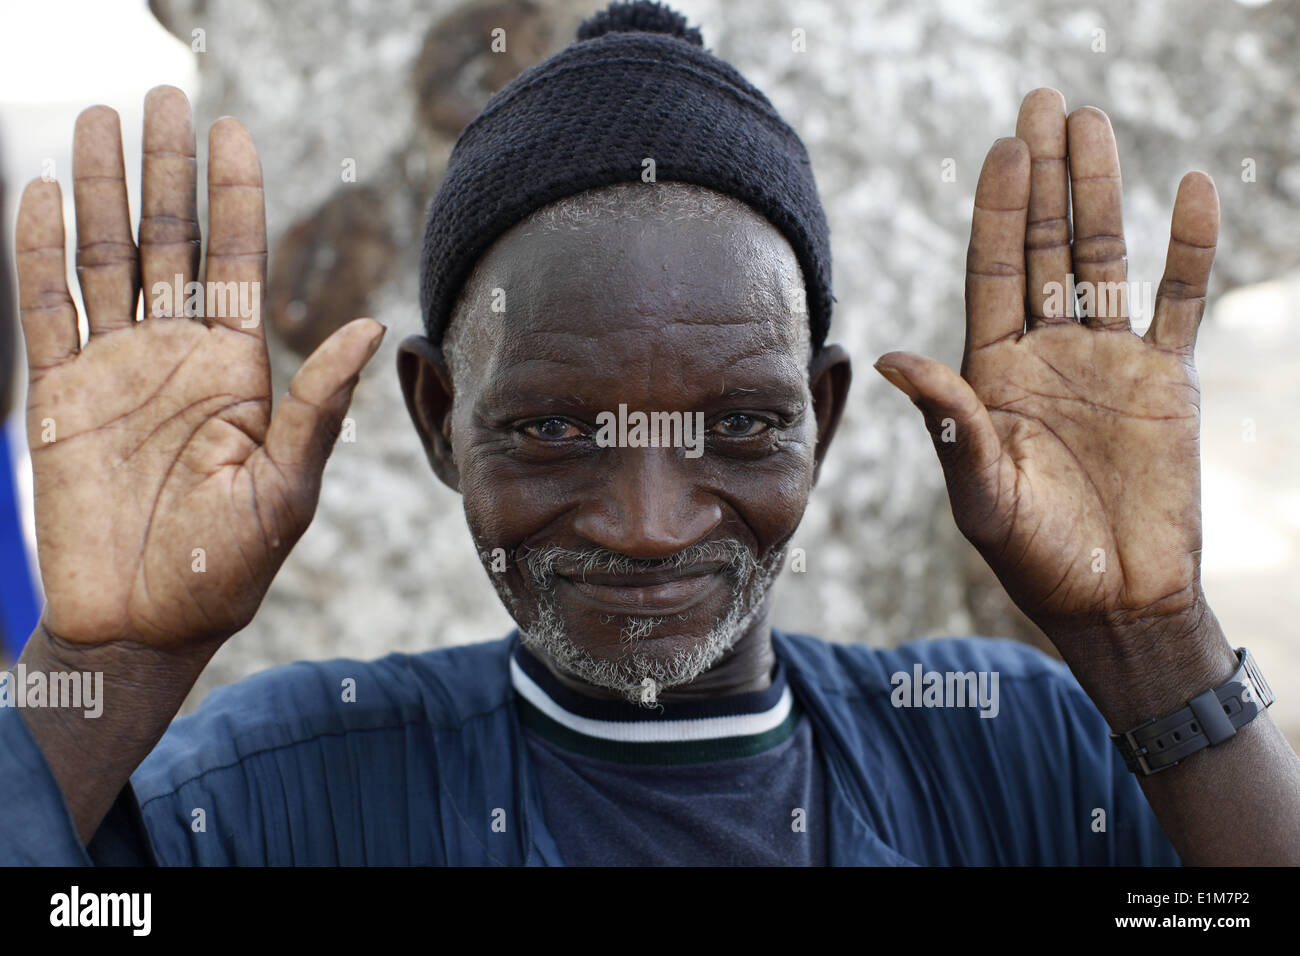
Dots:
(551, 429)
(740, 426)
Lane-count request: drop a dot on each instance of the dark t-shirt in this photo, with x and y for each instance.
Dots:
(735, 781)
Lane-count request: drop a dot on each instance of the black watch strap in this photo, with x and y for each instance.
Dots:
(1208, 719)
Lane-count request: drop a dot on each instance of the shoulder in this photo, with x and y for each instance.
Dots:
(308, 701)
(859, 670)
(976, 751)
(966, 696)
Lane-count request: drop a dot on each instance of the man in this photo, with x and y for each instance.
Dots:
(626, 295)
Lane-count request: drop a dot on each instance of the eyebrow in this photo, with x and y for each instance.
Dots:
(522, 397)
(504, 398)
(793, 390)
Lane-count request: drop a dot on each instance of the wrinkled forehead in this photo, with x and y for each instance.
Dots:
(701, 291)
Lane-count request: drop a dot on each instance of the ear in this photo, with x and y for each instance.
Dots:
(829, 375)
(426, 384)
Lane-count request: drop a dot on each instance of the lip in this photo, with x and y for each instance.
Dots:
(651, 595)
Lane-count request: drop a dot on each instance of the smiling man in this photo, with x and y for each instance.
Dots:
(629, 229)
(636, 569)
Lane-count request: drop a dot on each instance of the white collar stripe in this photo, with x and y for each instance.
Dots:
(702, 728)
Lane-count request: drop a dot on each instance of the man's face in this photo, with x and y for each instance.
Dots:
(627, 563)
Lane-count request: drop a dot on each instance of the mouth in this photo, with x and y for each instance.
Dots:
(653, 594)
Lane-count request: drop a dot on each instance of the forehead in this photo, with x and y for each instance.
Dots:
(665, 291)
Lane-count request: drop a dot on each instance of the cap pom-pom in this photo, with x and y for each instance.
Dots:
(640, 16)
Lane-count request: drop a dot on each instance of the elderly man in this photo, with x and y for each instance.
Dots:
(625, 372)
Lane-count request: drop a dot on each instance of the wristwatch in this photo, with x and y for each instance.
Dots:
(1208, 719)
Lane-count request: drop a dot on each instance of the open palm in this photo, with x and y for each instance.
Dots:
(1070, 445)
(166, 493)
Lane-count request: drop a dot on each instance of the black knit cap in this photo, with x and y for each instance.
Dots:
(637, 83)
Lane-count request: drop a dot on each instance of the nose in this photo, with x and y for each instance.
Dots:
(650, 507)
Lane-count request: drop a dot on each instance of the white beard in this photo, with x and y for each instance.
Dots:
(637, 677)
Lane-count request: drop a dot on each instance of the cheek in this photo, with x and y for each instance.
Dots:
(770, 494)
(770, 498)
(504, 504)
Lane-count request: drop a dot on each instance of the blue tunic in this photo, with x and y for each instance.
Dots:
(429, 764)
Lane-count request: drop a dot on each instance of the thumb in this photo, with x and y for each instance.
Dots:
(308, 419)
(959, 424)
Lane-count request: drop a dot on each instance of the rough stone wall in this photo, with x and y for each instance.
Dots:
(884, 94)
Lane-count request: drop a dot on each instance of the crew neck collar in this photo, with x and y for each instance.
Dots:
(675, 732)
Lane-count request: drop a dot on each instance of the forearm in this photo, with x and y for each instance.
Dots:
(1234, 803)
(93, 757)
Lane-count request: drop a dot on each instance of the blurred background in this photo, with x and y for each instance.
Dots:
(355, 106)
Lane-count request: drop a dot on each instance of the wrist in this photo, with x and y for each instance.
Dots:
(93, 746)
(143, 660)
(1138, 669)
(142, 685)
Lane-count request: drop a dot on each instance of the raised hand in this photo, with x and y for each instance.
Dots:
(167, 494)
(1070, 445)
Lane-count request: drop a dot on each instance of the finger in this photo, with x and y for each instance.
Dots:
(1047, 236)
(169, 218)
(1193, 234)
(48, 315)
(1100, 265)
(308, 420)
(108, 266)
(960, 425)
(236, 271)
(995, 262)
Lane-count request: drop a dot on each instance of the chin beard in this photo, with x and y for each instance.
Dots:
(636, 676)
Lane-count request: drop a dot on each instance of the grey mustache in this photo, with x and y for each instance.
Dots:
(737, 559)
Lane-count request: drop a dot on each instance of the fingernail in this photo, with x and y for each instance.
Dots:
(895, 378)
